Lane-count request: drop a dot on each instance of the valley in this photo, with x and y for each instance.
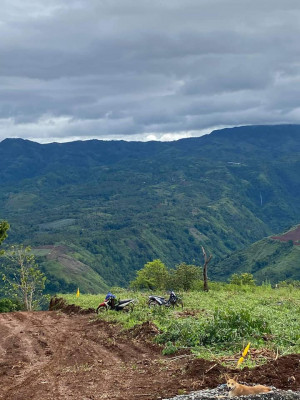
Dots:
(117, 205)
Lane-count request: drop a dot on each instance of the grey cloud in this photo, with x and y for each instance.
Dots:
(127, 69)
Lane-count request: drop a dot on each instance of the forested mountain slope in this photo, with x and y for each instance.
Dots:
(117, 205)
(271, 259)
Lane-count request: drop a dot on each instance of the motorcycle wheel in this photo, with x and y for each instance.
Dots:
(152, 303)
(101, 310)
(128, 308)
(179, 303)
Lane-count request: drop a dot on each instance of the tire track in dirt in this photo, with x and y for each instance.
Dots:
(27, 350)
(51, 355)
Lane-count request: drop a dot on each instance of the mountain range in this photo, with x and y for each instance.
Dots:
(97, 211)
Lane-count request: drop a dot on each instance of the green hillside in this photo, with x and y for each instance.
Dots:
(267, 259)
(65, 270)
(118, 205)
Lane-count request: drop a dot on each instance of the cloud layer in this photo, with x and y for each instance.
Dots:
(144, 70)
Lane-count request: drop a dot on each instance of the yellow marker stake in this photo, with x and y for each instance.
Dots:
(78, 293)
(240, 361)
(246, 349)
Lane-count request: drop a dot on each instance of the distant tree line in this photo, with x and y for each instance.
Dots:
(156, 276)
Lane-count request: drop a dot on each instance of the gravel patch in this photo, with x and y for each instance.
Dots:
(222, 392)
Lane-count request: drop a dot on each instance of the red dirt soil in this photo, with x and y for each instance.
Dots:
(52, 355)
(291, 235)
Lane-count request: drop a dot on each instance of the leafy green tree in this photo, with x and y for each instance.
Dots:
(4, 226)
(25, 282)
(242, 279)
(153, 276)
(184, 276)
(8, 305)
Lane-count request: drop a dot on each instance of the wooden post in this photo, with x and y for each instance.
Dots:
(206, 261)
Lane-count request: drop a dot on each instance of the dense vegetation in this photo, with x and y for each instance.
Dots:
(156, 276)
(110, 207)
(267, 259)
(219, 323)
(4, 226)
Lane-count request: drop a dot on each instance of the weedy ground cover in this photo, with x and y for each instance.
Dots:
(219, 323)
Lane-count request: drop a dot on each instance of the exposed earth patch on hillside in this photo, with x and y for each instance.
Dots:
(61, 262)
(51, 355)
(293, 235)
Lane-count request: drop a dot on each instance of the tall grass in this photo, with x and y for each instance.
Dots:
(220, 322)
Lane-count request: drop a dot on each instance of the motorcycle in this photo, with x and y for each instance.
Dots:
(117, 305)
(172, 301)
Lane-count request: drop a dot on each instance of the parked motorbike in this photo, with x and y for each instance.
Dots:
(172, 301)
(117, 305)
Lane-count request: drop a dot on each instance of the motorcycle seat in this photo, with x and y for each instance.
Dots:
(124, 301)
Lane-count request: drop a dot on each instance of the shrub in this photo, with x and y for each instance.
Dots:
(231, 326)
(184, 276)
(153, 276)
(7, 305)
(226, 328)
(242, 279)
(170, 348)
(289, 283)
(182, 332)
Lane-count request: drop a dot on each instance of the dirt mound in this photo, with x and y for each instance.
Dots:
(147, 331)
(187, 313)
(210, 373)
(283, 373)
(59, 304)
(52, 355)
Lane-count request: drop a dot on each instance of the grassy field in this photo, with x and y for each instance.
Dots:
(218, 324)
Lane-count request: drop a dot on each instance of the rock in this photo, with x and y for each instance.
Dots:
(222, 392)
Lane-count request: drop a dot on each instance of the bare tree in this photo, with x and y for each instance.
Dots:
(206, 261)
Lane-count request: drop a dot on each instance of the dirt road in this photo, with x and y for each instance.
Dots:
(51, 355)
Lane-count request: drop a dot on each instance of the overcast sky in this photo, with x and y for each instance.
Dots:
(146, 70)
